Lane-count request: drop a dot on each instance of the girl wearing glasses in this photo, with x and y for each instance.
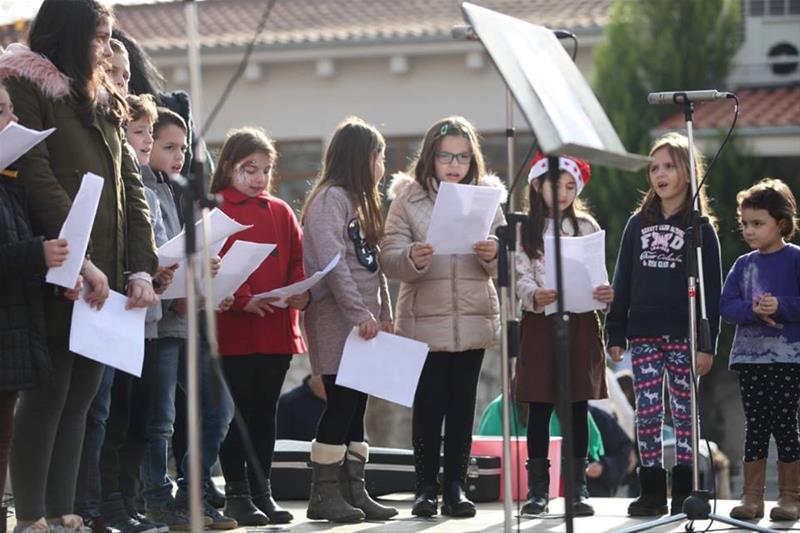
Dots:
(343, 215)
(446, 301)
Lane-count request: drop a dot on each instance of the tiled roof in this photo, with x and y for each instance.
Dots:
(758, 107)
(225, 23)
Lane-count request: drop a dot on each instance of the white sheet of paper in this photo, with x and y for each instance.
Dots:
(297, 288)
(221, 227)
(462, 216)
(112, 335)
(584, 269)
(239, 262)
(76, 230)
(387, 366)
(15, 140)
(177, 289)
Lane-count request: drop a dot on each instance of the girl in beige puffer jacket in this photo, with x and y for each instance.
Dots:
(446, 301)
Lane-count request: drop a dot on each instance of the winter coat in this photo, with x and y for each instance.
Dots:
(24, 362)
(121, 238)
(351, 293)
(273, 222)
(452, 303)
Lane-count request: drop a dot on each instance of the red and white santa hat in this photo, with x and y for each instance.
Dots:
(578, 168)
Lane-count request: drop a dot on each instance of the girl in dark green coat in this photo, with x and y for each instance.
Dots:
(59, 82)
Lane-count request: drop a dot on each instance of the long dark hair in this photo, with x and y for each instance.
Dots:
(538, 214)
(423, 166)
(63, 31)
(145, 77)
(349, 163)
(677, 145)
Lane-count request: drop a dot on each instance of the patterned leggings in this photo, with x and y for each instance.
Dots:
(650, 357)
(770, 395)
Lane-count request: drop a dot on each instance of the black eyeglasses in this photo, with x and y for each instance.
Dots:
(446, 158)
(364, 252)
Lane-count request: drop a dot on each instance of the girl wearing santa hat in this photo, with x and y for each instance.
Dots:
(535, 371)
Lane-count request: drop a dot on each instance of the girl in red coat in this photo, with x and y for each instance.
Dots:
(256, 338)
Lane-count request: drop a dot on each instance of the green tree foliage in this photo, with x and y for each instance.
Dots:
(654, 45)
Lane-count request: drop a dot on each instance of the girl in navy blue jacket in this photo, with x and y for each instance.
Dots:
(650, 314)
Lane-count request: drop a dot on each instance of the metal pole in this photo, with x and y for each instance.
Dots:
(193, 374)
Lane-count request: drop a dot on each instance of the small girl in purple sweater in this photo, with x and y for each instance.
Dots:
(762, 297)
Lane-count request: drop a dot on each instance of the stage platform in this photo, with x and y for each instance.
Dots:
(610, 516)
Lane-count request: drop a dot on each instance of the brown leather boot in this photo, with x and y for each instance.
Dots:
(752, 504)
(788, 483)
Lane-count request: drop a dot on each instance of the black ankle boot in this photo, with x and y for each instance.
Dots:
(538, 487)
(454, 502)
(653, 498)
(239, 505)
(579, 505)
(426, 501)
(681, 487)
(268, 506)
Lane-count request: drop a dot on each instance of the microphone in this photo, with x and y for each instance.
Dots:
(684, 97)
(467, 33)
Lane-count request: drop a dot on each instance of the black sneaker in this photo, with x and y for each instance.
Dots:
(130, 507)
(98, 525)
(214, 518)
(174, 517)
(117, 517)
(213, 495)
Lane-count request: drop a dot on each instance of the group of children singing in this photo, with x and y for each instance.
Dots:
(448, 302)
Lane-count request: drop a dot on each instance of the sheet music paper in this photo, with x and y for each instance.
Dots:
(239, 262)
(76, 230)
(15, 140)
(221, 226)
(387, 366)
(584, 269)
(113, 335)
(297, 288)
(462, 216)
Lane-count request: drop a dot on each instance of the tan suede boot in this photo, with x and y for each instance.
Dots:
(788, 483)
(752, 504)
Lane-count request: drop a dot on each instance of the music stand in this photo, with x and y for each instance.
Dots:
(566, 119)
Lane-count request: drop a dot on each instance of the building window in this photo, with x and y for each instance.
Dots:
(757, 8)
(299, 163)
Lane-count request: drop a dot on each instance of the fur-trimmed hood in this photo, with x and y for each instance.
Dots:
(403, 184)
(18, 61)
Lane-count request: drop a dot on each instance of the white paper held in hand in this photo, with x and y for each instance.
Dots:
(387, 366)
(297, 288)
(583, 260)
(462, 216)
(221, 227)
(177, 289)
(113, 335)
(16, 139)
(237, 264)
(76, 230)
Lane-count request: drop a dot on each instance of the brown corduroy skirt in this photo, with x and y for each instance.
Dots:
(536, 365)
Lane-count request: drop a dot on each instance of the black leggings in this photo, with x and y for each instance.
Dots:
(446, 392)
(539, 429)
(770, 394)
(255, 383)
(342, 422)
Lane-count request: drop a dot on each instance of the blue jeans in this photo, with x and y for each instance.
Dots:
(167, 370)
(216, 407)
(161, 371)
(88, 489)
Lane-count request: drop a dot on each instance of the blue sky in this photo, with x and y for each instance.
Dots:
(11, 10)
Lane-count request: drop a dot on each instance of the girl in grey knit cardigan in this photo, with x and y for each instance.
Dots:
(343, 215)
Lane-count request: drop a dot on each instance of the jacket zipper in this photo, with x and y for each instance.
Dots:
(453, 259)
